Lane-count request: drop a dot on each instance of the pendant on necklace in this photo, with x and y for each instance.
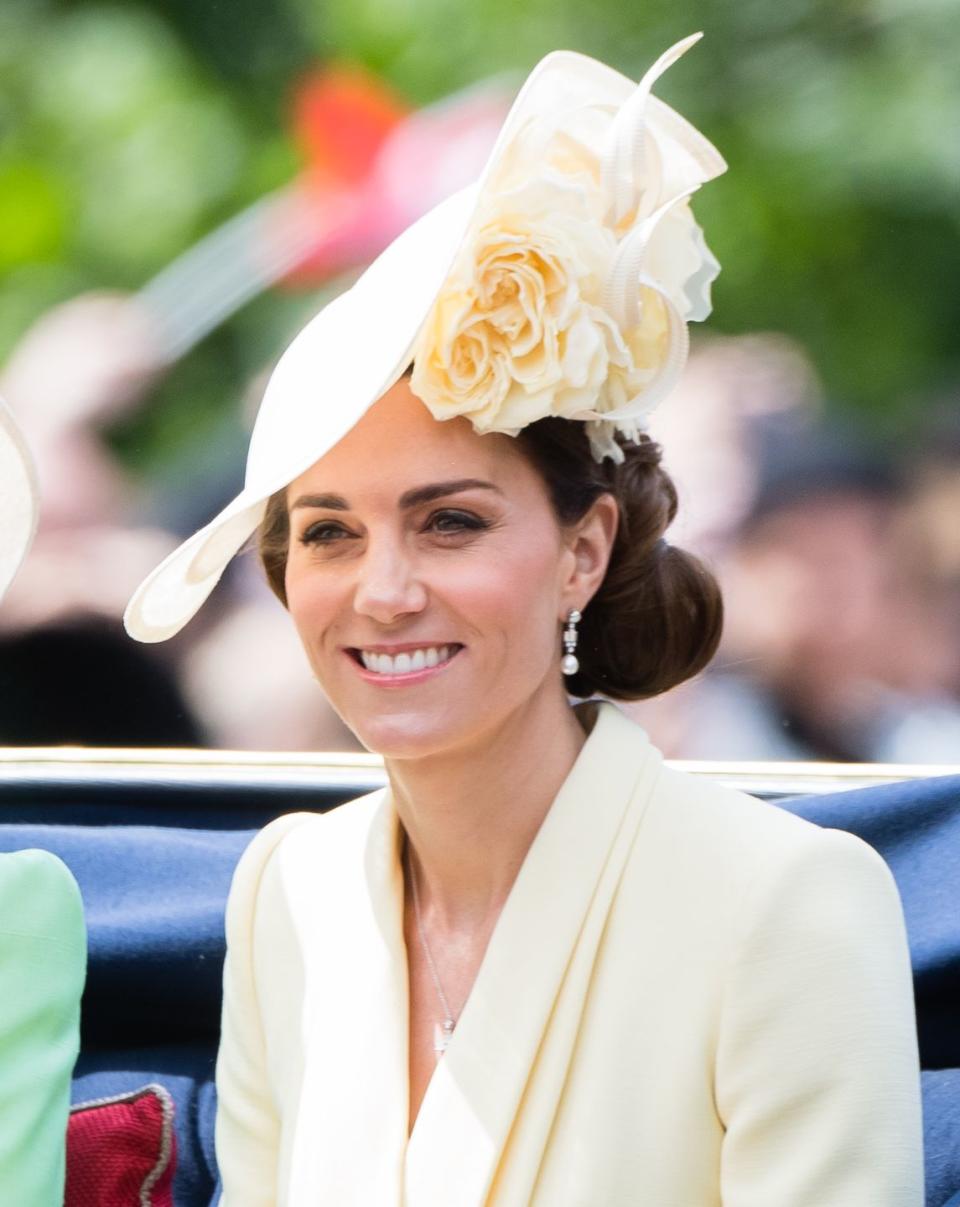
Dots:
(442, 1034)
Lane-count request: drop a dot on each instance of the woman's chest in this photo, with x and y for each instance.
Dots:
(440, 976)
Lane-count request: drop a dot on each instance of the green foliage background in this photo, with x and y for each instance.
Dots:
(129, 129)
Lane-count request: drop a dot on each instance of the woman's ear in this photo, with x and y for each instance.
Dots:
(591, 543)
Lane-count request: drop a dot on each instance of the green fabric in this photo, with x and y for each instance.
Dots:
(42, 965)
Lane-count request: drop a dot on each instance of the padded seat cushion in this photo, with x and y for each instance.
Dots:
(122, 1151)
(186, 1074)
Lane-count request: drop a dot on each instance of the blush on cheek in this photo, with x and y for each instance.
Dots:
(513, 597)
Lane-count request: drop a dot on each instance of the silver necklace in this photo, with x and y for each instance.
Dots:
(442, 1031)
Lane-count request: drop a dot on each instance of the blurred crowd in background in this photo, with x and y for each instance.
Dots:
(182, 185)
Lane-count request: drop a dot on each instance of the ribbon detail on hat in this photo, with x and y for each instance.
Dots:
(623, 161)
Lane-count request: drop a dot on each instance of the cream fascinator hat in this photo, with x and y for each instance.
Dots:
(560, 283)
(18, 498)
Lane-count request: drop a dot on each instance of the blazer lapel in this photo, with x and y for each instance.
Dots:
(346, 895)
(542, 950)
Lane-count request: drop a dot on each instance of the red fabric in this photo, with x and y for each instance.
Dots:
(121, 1152)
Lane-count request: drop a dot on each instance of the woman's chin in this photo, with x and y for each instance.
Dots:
(407, 735)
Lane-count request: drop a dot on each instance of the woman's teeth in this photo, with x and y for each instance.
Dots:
(409, 661)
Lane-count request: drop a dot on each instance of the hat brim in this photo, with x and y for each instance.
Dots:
(355, 349)
(18, 498)
(346, 358)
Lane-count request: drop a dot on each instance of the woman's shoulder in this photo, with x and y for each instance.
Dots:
(309, 836)
(39, 897)
(349, 817)
(753, 846)
(718, 837)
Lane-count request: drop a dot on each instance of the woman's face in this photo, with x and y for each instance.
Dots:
(427, 577)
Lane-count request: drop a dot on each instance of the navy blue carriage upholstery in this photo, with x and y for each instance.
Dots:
(154, 863)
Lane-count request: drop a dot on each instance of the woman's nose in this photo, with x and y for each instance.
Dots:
(388, 587)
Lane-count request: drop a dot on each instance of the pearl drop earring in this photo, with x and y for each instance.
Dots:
(569, 664)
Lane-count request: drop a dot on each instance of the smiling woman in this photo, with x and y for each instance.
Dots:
(539, 967)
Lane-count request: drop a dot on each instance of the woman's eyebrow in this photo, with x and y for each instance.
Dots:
(438, 490)
(327, 502)
(410, 498)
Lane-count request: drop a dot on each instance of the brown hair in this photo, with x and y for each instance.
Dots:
(657, 618)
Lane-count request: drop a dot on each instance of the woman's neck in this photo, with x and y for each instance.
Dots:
(471, 817)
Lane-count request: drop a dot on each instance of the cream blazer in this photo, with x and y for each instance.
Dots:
(691, 998)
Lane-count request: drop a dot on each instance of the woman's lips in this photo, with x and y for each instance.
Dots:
(403, 664)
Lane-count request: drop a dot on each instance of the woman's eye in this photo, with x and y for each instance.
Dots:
(449, 523)
(324, 532)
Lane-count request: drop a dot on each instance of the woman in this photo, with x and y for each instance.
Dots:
(540, 967)
(42, 939)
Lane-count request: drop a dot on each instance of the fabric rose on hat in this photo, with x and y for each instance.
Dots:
(571, 294)
(518, 332)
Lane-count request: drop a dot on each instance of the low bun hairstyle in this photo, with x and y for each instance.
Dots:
(657, 617)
